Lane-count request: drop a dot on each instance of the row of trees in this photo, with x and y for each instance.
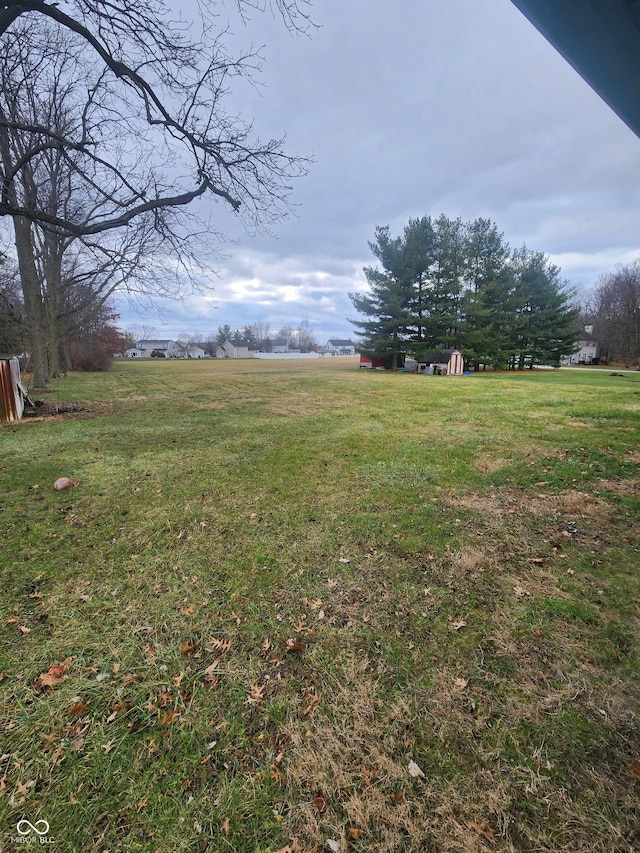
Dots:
(445, 283)
(259, 333)
(613, 308)
(88, 342)
(112, 126)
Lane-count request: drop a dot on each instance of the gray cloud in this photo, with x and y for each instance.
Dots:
(421, 108)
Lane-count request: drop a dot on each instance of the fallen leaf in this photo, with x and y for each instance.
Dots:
(483, 829)
(108, 746)
(461, 683)
(333, 845)
(354, 833)
(209, 670)
(294, 645)
(414, 770)
(54, 676)
(12, 620)
(520, 590)
(540, 561)
(164, 698)
(314, 701)
(634, 769)
(188, 646)
(57, 756)
(188, 611)
(397, 797)
(256, 694)
(23, 790)
(170, 718)
(23, 629)
(221, 645)
(319, 802)
(141, 804)
(225, 827)
(77, 709)
(460, 624)
(47, 740)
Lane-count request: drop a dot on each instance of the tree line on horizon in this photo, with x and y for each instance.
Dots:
(448, 284)
(258, 333)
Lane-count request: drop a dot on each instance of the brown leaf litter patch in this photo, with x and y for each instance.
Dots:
(518, 506)
(352, 758)
(437, 770)
(52, 410)
(486, 464)
(623, 486)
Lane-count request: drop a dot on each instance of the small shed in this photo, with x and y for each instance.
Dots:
(441, 363)
(12, 391)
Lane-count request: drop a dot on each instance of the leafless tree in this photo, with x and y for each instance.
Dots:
(126, 126)
(306, 339)
(12, 321)
(261, 332)
(142, 332)
(164, 87)
(615, 308)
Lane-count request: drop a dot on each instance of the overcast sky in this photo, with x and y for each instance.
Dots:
(408, 109)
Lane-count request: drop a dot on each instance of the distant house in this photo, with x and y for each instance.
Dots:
(195, 351)
(441, 363)
(236, 348)
(169, 348)
(587, 348)
(281, 345)
(336, 346)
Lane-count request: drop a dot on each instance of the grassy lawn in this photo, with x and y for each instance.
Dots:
(295, 606)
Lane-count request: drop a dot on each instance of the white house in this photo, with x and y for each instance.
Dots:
(336, 346)
(234, 349)
(587, 348)
(169, 348)
(195, 351)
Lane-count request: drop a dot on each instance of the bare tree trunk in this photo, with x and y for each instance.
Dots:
(33, 305)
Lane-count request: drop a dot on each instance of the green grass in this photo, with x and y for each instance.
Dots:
(278, 583)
